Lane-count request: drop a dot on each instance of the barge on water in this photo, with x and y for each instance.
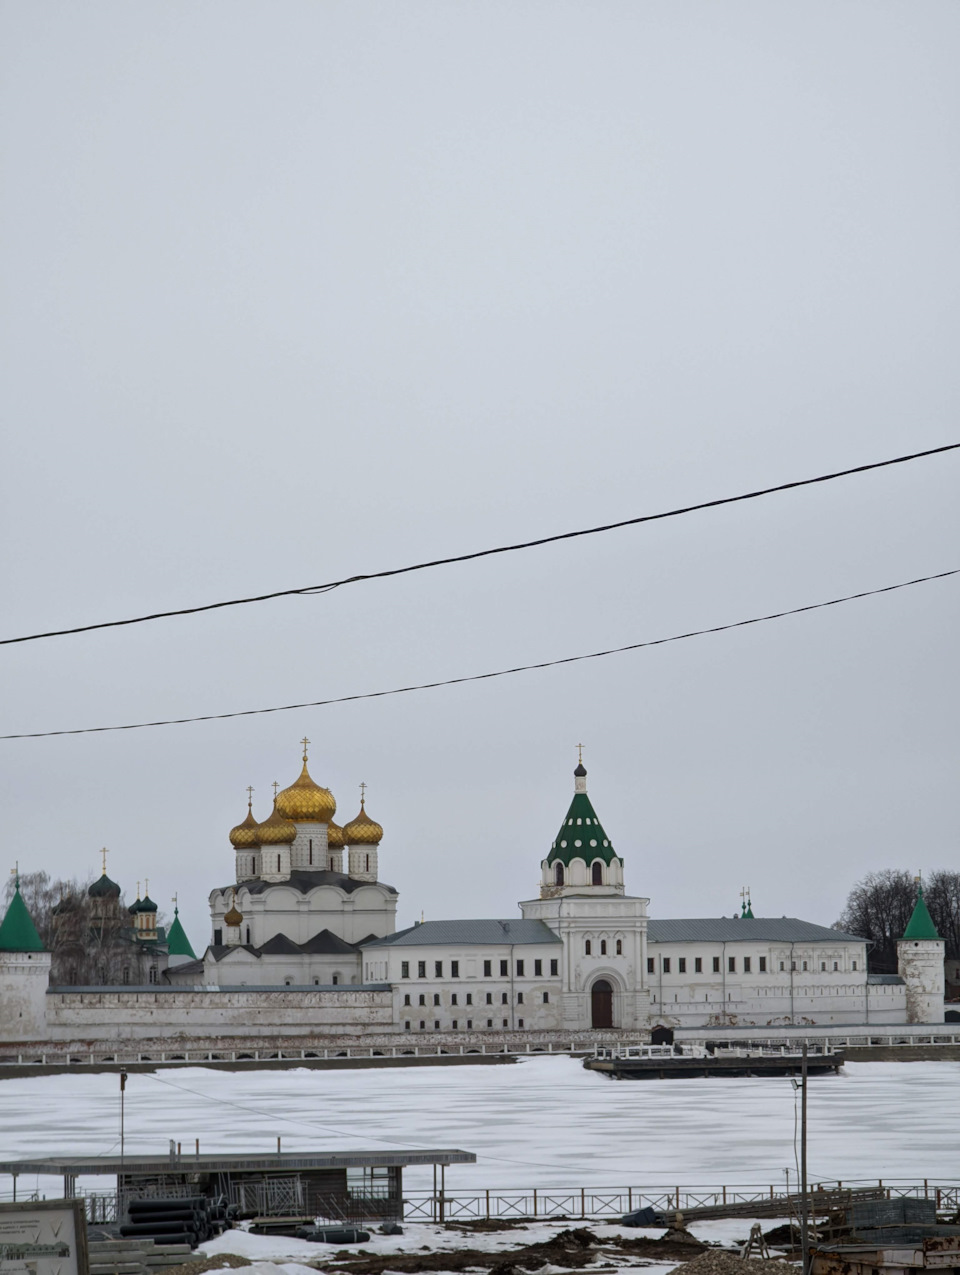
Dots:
(638, 1062)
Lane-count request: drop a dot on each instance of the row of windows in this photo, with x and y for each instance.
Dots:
(455, 1024)
(665, 964)
(588, 947)
(468, 999)
(487, 968)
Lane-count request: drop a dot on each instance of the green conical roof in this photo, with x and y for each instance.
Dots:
(581, 834)
(17, 931)
(177, 942)
(920, 925)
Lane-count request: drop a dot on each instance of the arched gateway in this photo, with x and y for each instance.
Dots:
(601, 1004)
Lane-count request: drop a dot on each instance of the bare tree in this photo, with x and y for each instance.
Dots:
(90, 939)
(942, 893)
(878, 909)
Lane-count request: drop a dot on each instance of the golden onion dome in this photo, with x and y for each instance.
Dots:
(334, 836)
(362, 831)
(276, 831)
(234, 916)
(305, 801)
(244, 835)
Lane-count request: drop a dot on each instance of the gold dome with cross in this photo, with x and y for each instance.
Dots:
(362, 830)
(306, 801)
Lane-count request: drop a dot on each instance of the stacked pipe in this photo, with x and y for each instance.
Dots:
(191, 1220)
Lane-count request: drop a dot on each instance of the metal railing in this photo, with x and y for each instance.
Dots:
(613, 1202)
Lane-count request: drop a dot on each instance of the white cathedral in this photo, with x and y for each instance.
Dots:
(308, 909)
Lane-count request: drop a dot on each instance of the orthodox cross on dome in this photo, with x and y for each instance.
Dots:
(580, 753)
(250, 792)
(103, 856)
(305, 742)
(363, 793)
(138, 889)
(146, 887)
(275, 787)
(15, 872)
(174, 902)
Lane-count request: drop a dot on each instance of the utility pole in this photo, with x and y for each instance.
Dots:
(804, 1212)
(123, 1086)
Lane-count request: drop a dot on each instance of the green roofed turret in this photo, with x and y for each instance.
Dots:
(177, 942)
(581, 834)
(17, 930)
(920, 925)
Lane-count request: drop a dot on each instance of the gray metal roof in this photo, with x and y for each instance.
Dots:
(156, 1164)
(724, 929)
(890, 979)
(468, 934)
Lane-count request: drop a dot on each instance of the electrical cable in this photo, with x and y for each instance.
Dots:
(482, 677)
(307, 590)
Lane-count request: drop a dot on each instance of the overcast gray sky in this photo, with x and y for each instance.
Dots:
(296, 290)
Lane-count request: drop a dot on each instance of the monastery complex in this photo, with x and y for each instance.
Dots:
(303, 948)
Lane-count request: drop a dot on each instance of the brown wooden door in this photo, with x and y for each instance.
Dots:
(601, 1004)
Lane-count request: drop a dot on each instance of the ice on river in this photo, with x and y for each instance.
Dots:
(542, 1122)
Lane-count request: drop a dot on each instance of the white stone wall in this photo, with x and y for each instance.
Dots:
(921, 966)
(142, 1014)
(241, 968)
(520, 993)
(23, 987)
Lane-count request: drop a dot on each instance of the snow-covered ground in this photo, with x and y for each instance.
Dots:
(291, 1254)
(543, 1122)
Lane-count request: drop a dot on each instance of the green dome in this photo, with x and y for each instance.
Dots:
(104, 888)
(18, 932)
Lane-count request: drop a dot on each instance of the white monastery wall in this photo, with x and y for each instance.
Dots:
(143, 1014)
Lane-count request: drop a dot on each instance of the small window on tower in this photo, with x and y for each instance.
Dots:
(603, 947)
(598, 874)
(587, 947)
(619, 947)
(558, 873)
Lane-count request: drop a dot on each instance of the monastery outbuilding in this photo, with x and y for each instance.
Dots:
(304, 945)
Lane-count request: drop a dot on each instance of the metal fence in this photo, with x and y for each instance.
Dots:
(585, 1202)
(613, 1202)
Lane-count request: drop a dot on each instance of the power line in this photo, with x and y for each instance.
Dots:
(307, 590)
(482, 677)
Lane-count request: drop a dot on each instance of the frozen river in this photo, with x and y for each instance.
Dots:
(543, 1122)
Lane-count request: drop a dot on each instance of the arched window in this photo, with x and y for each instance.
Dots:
(603, 947)
(367, 868)
(598, 873)
(587, 948)
(558, 873)
(619, 947)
